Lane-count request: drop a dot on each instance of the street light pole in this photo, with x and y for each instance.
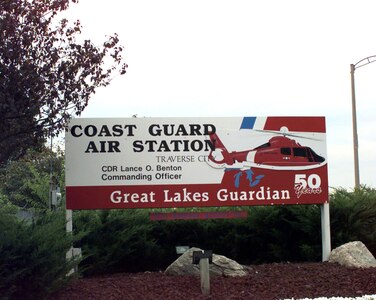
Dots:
(355, 128)
(361, 63)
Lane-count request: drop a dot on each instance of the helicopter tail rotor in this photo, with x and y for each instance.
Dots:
(219, 156)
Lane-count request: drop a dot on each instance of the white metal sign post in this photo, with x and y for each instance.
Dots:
(325, 231)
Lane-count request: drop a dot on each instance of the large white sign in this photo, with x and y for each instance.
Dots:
(185, 162)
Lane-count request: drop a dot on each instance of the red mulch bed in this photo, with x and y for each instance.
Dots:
(267, 281)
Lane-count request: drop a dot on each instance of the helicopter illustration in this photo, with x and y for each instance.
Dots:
(280, 152)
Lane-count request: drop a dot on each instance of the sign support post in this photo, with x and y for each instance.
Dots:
(325, 231)
(204, 275)
(73, 253)
(68, 218)
(203, 259)
(69, 229)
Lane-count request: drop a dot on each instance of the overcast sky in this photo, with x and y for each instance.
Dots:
(244, 58)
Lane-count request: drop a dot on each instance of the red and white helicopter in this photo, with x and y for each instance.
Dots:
(279, 153)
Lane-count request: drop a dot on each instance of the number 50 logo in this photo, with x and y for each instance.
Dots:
(307, 185)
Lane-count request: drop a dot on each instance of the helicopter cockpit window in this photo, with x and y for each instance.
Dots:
(286, 151)
(266, 145)
(300, 152)
(316, 157)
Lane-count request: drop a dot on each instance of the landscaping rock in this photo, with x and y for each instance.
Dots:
(353, 254)
(221, 266)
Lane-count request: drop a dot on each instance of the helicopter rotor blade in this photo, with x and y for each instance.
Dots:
(288, 134)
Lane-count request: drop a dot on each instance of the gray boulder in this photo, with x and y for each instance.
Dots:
(221, 266)
(353, 254)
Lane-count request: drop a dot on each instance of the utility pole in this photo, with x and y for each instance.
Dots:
(353, 67)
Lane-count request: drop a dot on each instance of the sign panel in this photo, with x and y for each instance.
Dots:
(195, 162)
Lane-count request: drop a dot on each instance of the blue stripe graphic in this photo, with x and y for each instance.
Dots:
(248, 123)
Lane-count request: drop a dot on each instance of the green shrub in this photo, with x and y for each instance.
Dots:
(33, 255)
(115, 240)
(353, 217)
(269, 234)
(126, 240)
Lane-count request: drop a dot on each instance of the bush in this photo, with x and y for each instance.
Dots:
(353, 217)
(115, 240)
(126, 240)
(33, 255)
